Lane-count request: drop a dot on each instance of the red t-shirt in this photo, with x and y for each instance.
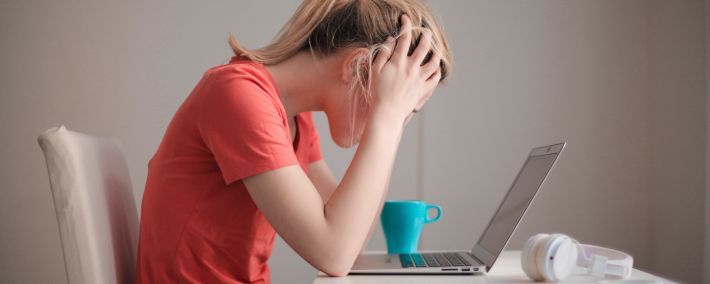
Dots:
(198, 222)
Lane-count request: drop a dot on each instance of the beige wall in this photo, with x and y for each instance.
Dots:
(620, 81)
(706, 266)
(560, 71)
(677, 82)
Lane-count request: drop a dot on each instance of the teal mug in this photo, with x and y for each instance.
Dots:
(402, 223)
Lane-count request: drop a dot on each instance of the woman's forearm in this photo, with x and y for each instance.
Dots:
(353, 207)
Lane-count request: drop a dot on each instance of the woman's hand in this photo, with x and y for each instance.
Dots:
(400, 83)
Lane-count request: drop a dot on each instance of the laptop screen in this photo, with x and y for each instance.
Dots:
(516, 202)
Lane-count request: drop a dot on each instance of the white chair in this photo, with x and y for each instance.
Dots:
(96, 212)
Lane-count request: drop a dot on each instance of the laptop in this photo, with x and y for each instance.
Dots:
(481, 258)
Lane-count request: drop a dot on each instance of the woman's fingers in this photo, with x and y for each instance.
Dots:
(383, 55)
(401, 83)
(422, 48)
(432, 65)
(403, 41)
(433, 81)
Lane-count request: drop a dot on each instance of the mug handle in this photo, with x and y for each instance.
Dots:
(426, 213)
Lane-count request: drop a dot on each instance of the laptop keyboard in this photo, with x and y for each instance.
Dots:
(432, 260)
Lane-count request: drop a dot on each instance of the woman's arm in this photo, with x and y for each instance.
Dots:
(329, 235)
(322, 178)
(319, 173)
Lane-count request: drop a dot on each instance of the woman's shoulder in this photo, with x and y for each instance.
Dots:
(241, 74)
(240, 66)
(241, 85)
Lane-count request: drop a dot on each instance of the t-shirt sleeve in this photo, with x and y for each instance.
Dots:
(242, 126)
(314, 151)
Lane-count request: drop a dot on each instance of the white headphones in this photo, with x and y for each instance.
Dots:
(554, 257)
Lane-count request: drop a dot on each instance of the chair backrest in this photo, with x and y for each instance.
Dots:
(96, 211)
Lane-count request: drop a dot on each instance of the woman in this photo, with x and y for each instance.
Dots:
(241, 158)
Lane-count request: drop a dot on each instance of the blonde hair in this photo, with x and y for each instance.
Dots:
(325, 26)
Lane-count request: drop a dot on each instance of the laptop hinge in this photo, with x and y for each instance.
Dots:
(476, 258)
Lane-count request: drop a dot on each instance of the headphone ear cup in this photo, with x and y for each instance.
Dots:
(545, 256)
(564, 259)
(528, 258)
(525, 254)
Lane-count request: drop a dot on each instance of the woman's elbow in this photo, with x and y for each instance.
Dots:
(337, 271)
(337, 265)
(338, 274)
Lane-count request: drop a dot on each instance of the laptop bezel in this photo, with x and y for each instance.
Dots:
(478, 251)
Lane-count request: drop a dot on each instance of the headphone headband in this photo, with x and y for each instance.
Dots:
(605, 261)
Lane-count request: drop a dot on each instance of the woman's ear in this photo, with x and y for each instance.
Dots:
(352, 59)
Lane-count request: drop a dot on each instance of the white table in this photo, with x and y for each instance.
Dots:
(506, 270)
